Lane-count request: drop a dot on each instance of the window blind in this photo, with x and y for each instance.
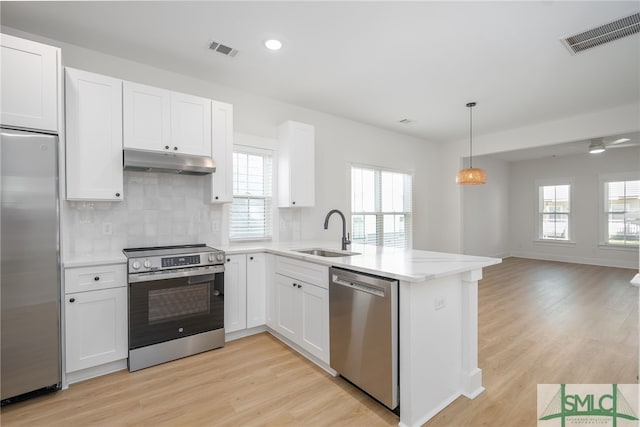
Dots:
(380, 207)
(251, 216)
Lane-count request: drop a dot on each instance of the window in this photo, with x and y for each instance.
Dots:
(622, 212)
(554, 212)
(251, 207)
(380, 207)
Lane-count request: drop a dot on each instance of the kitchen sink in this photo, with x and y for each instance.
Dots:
(325, 252)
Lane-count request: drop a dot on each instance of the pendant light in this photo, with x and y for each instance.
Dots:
(471, 175)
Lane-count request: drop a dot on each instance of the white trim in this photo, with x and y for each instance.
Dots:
(95, 371)
(547, 182)
(271, 154)
(555, 242)
(604, 178)
(633, 264)
(378, 212)
(235, 335)
(255, 141)
(613, 247)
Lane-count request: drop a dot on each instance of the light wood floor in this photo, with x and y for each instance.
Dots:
(540, 322)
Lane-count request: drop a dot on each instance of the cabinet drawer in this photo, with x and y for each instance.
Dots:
(308, 272)
(80, 279)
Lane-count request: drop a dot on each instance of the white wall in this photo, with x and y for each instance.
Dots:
(338, 143)
(603, 123)
(584, 170)
(485, 211)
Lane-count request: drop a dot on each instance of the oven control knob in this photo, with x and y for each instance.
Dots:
(135, 265)
(220, 257)
(147, 263)
(212, 257)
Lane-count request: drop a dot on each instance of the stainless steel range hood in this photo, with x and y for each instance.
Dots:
(151, 161)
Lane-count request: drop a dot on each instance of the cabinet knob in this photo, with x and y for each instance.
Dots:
(299, 286)
(166, 147)
(175, 148)
(217, 197)
(293, 203)
(117, 194)
(294, 285)
(72, 300)
(96, 278)
(251, 258)
(228, 259)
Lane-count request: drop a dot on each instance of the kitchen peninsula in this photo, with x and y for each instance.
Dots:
(438, 317)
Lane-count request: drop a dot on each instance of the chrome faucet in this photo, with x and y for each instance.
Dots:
(345, 235)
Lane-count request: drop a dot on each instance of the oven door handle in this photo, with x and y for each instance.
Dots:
(201, 271)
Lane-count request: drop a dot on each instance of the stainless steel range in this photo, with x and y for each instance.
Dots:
(176, 302)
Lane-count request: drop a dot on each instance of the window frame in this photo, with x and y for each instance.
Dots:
(603, 179)
(262, 151)
(549, 182)
(379, 214)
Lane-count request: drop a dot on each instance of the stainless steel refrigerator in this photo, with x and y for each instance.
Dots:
(30, 266)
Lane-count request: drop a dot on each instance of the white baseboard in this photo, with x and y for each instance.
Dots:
(576, 260)
(303, 352)
(446, 402)
(95, 371)
(244, 333)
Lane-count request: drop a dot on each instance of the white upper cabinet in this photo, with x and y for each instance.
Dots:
(222, 152)
(160, 120)
(296, 165)
(93, 106)
(29, 84)
(190, 124)
(147, 117)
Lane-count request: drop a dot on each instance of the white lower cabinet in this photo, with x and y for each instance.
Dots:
(235, 293)
(256, 289)
(95, 304)
(302, 314)
(245, 281)
(96, 328)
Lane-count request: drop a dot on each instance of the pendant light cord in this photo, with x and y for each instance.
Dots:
(470, 136)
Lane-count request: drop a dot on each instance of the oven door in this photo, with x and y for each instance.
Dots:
(165, 306)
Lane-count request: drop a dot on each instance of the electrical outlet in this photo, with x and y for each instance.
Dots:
(439, 303)
(107, 228)
(215, 226)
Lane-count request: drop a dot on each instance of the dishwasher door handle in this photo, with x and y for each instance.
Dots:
(363, 287)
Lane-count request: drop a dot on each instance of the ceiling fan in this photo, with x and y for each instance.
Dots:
(598, 145)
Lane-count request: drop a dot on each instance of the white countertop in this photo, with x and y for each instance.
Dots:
(102, 258)
(402, 264)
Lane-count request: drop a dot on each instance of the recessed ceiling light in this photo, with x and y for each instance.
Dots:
(621, 140)
(273, 44)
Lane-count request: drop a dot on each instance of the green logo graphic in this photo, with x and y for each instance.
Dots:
(563, 406)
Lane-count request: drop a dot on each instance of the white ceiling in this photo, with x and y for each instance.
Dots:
(374, 62)
(570, 148)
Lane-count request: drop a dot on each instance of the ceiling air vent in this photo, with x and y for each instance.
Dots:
(223, 49)
(604, 34)
(405, 121)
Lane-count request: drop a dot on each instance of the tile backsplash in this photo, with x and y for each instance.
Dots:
(158, 209)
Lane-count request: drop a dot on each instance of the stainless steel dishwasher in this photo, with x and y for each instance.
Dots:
(363, 317)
